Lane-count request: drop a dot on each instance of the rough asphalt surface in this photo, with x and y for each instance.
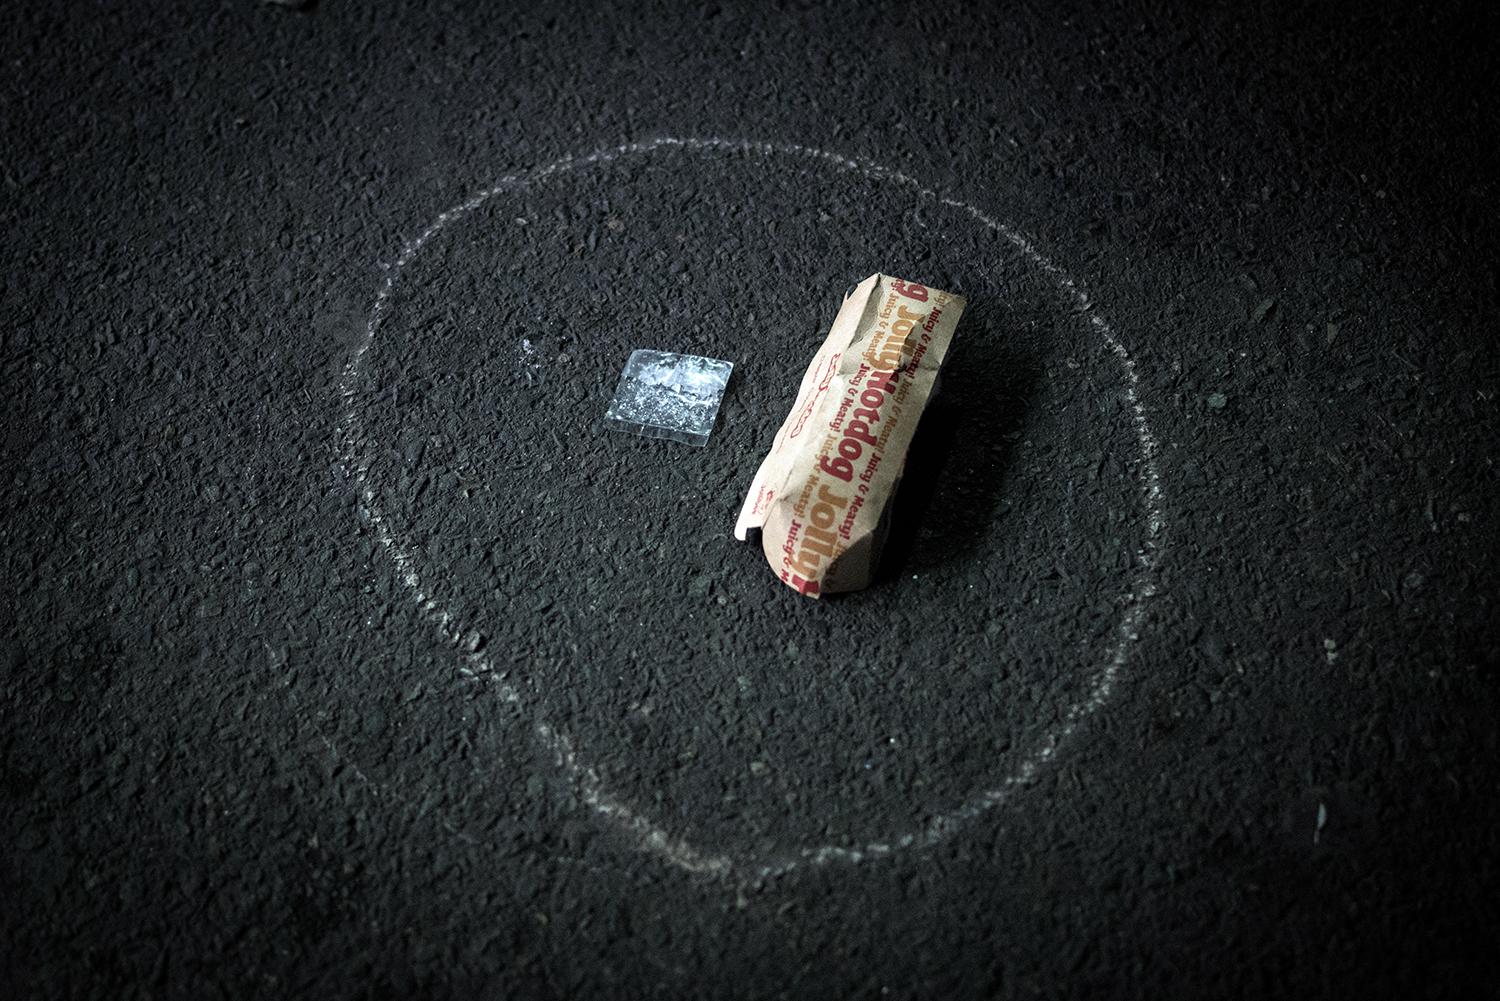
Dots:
(1250, 752)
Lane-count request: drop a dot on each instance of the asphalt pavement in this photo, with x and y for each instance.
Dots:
(347, 652)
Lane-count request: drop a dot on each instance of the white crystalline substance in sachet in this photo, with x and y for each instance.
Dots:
(665, 395)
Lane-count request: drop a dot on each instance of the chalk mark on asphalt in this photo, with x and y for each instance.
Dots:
(583, 777)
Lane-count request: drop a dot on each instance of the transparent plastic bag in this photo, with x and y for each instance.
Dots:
(666, 395)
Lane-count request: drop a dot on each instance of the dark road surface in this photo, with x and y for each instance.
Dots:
(347, 655)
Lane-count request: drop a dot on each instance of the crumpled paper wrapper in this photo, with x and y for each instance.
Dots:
(821, 497)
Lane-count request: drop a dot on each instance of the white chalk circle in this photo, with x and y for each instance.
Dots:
(584, 778)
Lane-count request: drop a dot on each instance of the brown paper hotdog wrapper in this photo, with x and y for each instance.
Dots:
(821, 495)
